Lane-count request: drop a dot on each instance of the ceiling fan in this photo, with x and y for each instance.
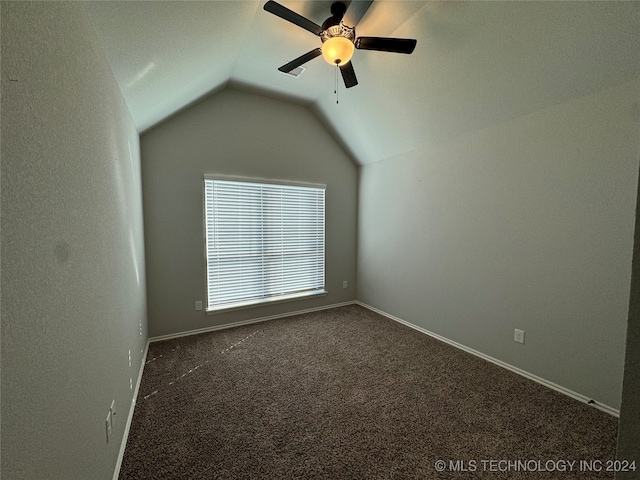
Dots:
(338, 40)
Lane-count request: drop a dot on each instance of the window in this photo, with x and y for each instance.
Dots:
(264, 242)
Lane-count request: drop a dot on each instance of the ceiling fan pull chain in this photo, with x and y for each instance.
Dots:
(336, 89)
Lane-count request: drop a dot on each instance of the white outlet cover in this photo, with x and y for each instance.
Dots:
(199, 305)
(518, 336)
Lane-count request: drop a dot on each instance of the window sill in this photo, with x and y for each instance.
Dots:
(266, 301)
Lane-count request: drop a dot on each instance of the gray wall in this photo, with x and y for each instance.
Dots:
(629, 428)
(526, 224)
(73, 277)
(235, 132)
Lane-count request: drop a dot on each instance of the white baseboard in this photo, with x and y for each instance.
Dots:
(125, 436)
(247, 322)
(530, 376)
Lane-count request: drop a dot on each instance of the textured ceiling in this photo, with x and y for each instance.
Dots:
(476, 63)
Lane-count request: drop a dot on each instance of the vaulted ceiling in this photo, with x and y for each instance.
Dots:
(475, 64)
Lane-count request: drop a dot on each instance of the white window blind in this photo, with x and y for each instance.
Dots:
(265, 242)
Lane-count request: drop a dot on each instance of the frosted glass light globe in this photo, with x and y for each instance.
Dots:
(337, 50)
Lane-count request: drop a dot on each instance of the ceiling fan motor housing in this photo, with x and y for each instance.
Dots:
(340, 30)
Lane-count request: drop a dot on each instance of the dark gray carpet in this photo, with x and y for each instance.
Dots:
(348, 394)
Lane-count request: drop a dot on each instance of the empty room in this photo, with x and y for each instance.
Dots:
(367, 239)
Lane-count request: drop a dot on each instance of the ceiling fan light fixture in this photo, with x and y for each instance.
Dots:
(337, 50)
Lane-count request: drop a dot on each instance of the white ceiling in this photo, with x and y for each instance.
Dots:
(475, 64)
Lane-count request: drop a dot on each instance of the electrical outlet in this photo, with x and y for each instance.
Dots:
(199, 305)
(519, 336)
(344, 284)
(109, 426)
(129, 358)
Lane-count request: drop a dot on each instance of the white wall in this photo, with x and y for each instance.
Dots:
(73, 276)
(239, 133)
(526, 224)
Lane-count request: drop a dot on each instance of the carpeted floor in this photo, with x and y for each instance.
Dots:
(349, 394)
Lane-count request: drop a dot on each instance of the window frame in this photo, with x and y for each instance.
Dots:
(269, 300)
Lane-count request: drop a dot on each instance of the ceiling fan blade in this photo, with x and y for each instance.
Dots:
(348, 75)
(300, 60)
(385, 44)
(293, 17)
(355, 12)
